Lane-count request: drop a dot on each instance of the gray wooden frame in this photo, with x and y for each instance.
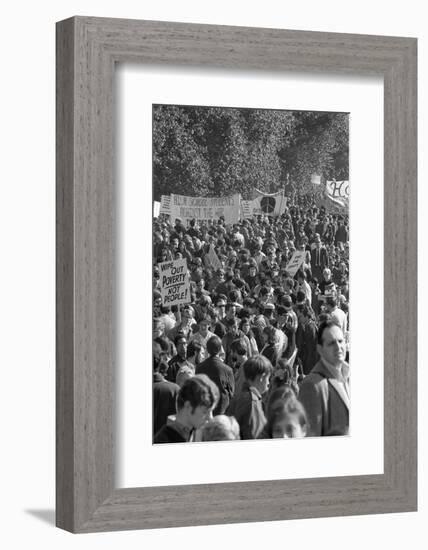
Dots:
(87, 50)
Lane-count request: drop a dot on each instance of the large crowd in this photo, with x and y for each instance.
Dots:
(256, 352)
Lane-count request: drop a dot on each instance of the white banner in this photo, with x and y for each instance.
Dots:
(268, 204)
(165, 205)
(205, 208)
(295, 262)
(338, 191)
(175, 282)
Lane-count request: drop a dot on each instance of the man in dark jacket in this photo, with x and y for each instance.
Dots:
(220, 373)
(164, 396)
(247, 406)
(195, 402)
(319, 258)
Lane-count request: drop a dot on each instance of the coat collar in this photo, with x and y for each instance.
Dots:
(340, 386)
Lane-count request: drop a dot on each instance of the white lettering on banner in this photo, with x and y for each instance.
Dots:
(175, 283)
(295, 262)
(205, 208)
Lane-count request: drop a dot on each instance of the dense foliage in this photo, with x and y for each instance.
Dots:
(215, 151)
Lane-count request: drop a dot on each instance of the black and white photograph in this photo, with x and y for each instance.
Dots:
(250, 274)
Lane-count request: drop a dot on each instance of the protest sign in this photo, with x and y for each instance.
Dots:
(175, 282)
(213, 259)
(295, 262)
(205, 208)
(338, 192)
(273, 204)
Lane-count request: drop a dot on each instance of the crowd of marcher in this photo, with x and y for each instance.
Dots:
(256, 352)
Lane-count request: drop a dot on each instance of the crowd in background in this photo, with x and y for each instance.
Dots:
(256, 353)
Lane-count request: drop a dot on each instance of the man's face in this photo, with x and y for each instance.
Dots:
(186, 314)
(233, 329)
(333, 348)
(182, 347)
(200, 284)
(200, 356)
(262, 383)
(203, 327)
(199, 415)
(231, 312)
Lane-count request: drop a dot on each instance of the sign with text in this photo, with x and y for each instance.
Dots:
(338, 191)
(205, 208)
(175, 282)
(295, 262)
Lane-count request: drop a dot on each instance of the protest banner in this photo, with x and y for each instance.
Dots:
(165, 205)
(295, 262)
(273, 204)
(205, 208)
(338, 192)
(213, 259)
(175, 282)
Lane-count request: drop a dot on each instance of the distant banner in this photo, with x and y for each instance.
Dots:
(175, 283)
(165, 205)
(203, 208)
(295, 262)
(273, 204)
(338, 192)
(316, 179)
(213, 259)
(156, 209)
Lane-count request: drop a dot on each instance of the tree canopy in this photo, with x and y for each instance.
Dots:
(217, 151)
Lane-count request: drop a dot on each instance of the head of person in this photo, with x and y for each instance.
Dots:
(317, 240)
(232, 326)
(330, 304)
(285, 376)
(331, 343)
(184, 373)
(287, 418)
(204, 325)
(180, 343)
(214, 346)
(245, 325)
(313, 283)
(221, 428)
(238, 353)
(196, 400)
(252, 271)
(158, 328)
(195, 352)
(326, 274)
(257, 372)
(231, 310)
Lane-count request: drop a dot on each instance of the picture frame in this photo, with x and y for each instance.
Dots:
(87, 51)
